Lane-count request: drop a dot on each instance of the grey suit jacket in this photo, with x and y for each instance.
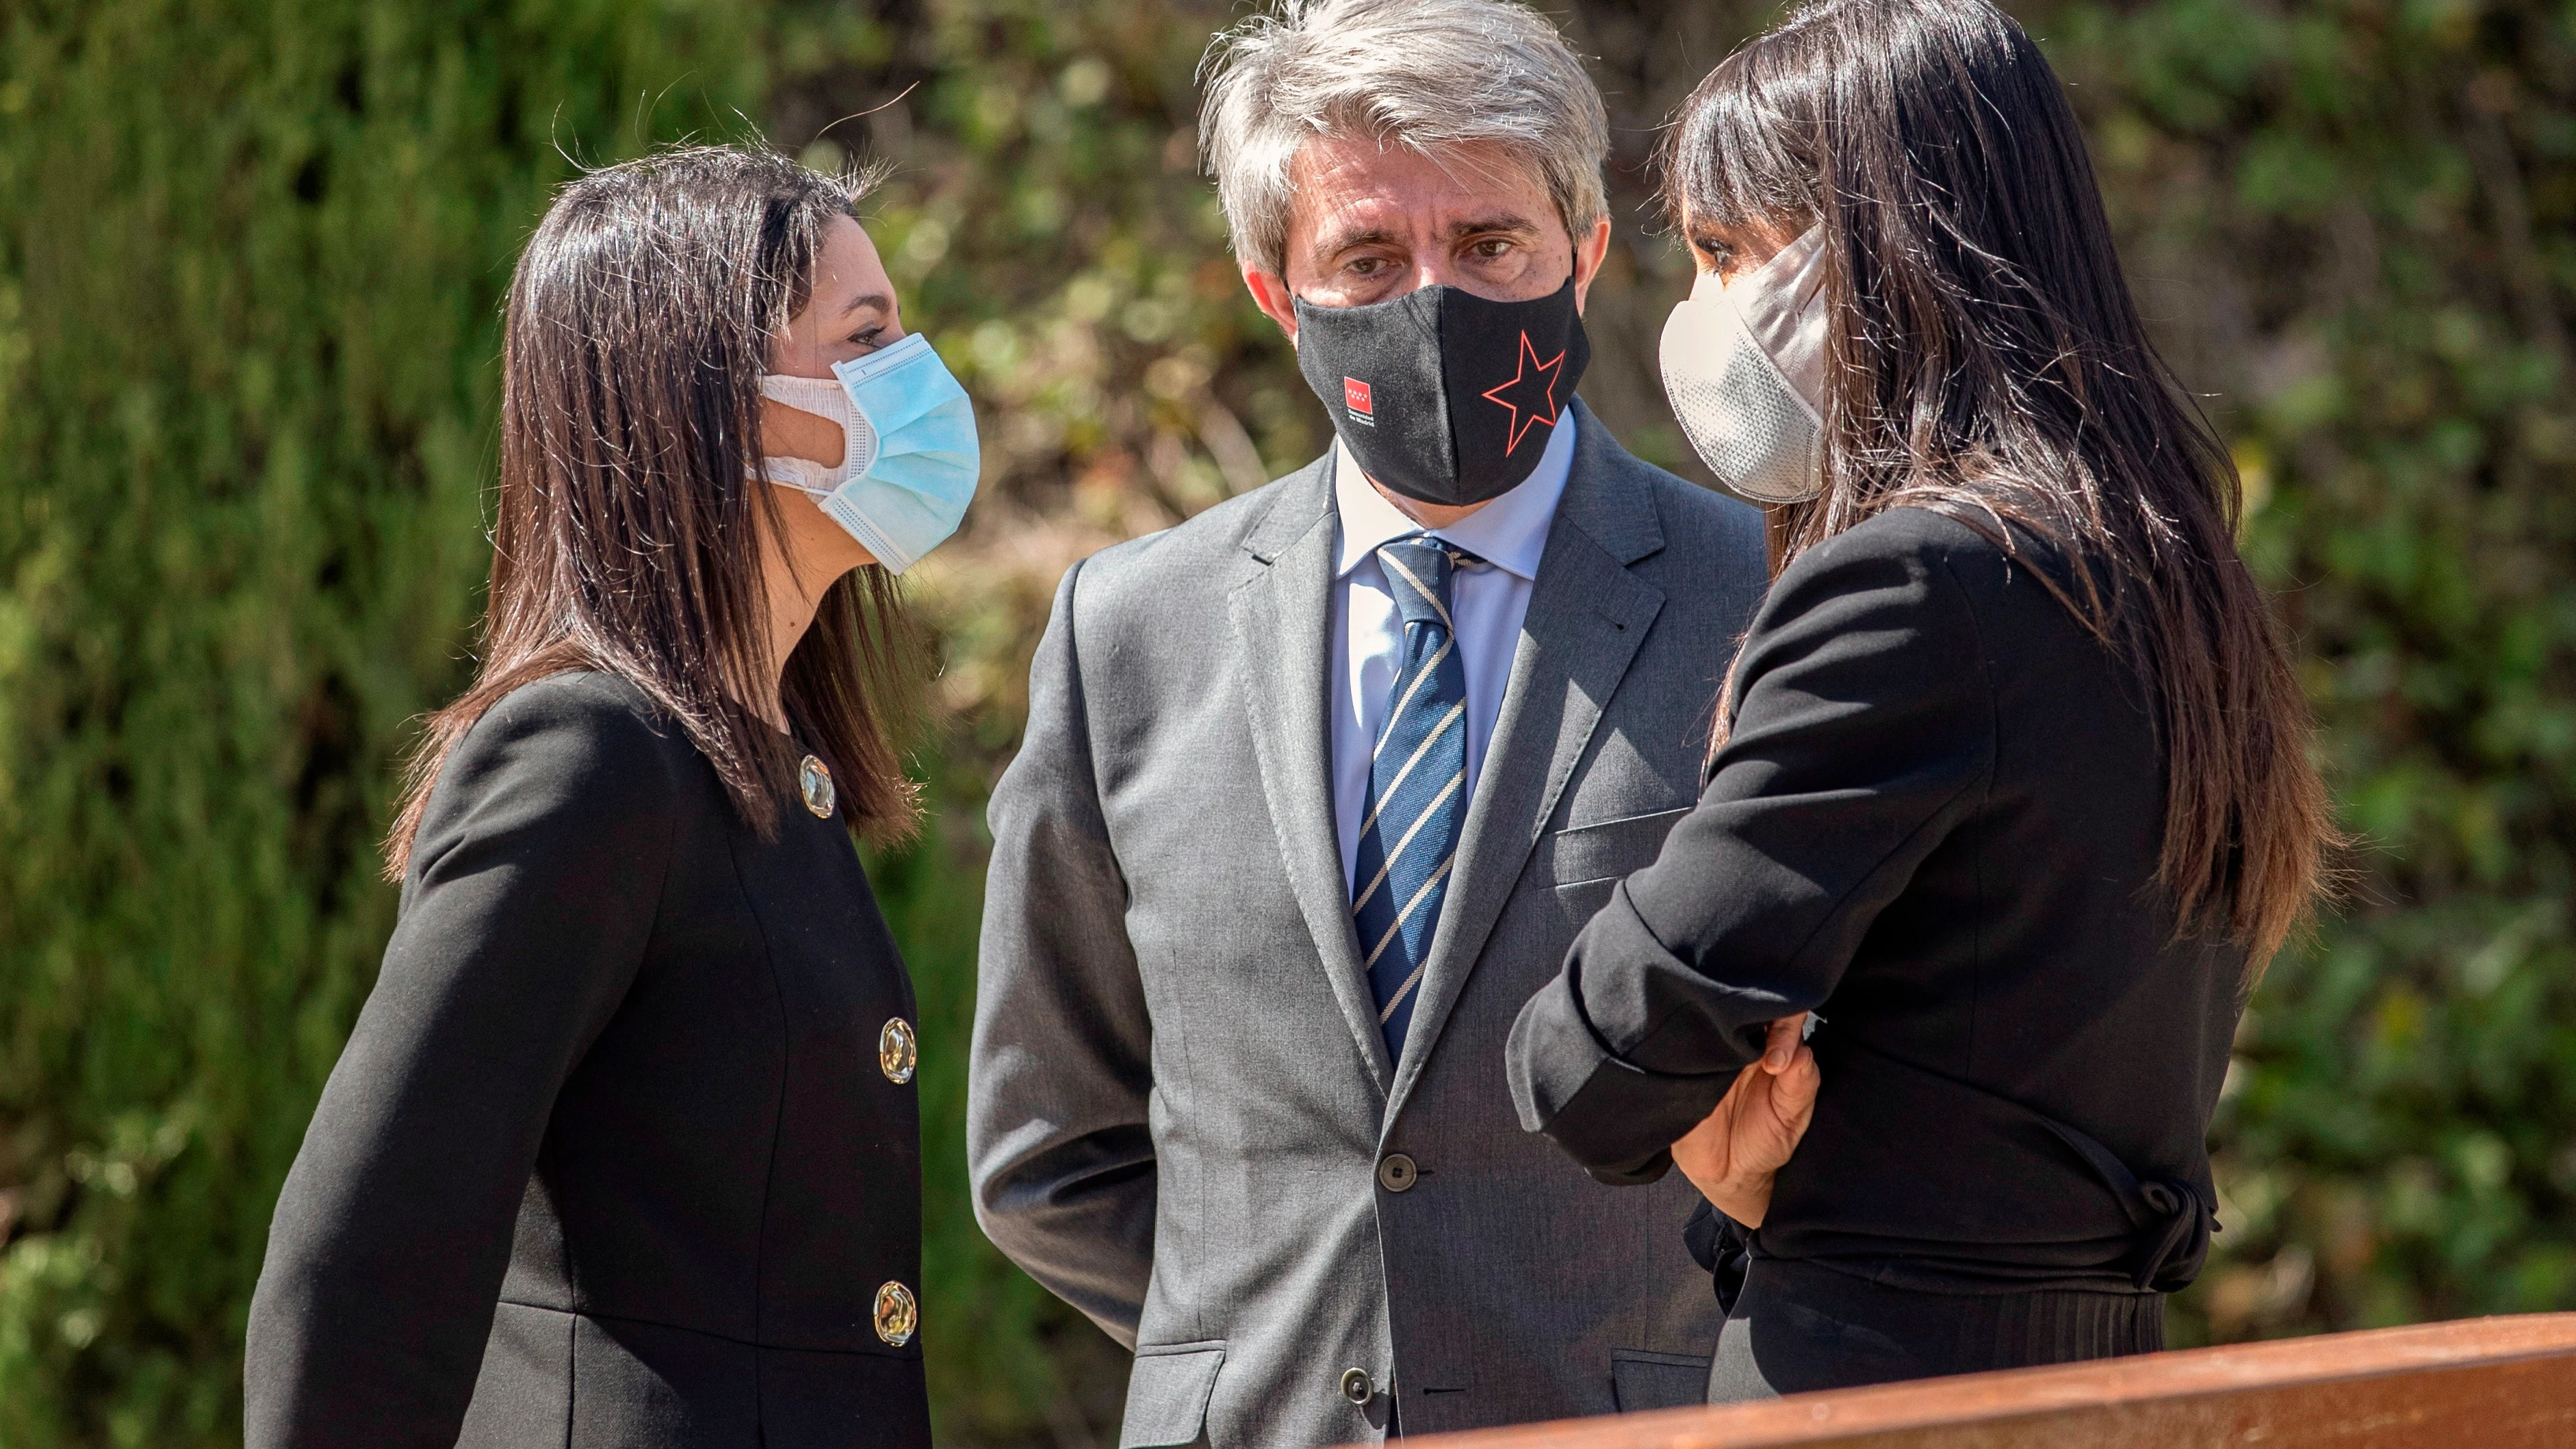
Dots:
(1182, 1115)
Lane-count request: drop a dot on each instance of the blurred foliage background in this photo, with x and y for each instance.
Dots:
(250, 259)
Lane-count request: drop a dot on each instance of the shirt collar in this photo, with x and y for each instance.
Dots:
(1509, 533)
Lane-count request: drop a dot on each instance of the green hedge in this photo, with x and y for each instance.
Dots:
(251, 253)
(2356, 222)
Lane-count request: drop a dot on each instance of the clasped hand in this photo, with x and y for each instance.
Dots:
(1734, 1153)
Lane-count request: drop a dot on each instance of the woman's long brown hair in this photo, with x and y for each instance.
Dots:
(1986, 361)
(629, 515)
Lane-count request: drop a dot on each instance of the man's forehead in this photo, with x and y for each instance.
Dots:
(1348, 188)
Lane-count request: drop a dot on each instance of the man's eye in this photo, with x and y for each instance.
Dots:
(1492, 248)
(1368, 266)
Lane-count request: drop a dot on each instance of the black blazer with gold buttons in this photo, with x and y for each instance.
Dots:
(624, 1149)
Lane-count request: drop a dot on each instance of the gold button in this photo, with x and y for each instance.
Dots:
(816, 781)
(1357, 1386)
(898, 1316)
(898, 1051)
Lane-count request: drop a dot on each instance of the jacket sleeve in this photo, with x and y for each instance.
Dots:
(533, 890)
(1057, 1141)
(1863, 733)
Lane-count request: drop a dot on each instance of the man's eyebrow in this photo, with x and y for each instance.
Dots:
(878, 300)
(1332, 246)
(1497, 221)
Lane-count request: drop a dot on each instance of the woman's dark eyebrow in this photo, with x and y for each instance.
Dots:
(878, 300)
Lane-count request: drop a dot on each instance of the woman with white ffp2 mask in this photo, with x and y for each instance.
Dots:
(2010, 788)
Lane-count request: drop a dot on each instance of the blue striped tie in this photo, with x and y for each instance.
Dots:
(1417, 786)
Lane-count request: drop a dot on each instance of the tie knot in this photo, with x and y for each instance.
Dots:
(1418, 570)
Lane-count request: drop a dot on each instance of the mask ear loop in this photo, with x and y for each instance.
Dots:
(829, 400)
(791, 473)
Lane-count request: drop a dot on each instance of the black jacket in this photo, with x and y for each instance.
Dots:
(620, 1077)
(1937, 825)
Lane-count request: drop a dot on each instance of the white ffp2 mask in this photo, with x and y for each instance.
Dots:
(1744, 369)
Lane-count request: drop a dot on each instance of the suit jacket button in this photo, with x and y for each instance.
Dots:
(898, 1050)
(897, 1314)
(1396, 1173)
(1357, 1386)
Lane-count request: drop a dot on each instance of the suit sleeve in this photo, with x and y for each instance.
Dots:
(1056, 1131)
(1863, 732)
(533, 890)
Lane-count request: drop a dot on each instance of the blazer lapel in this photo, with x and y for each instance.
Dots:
(1587, 616)
(1281, 607)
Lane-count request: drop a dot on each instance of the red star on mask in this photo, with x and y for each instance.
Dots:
(1530, 397)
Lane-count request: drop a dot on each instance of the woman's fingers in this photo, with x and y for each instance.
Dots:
(1715, 1135)
(1793, 1092)
(1770, 1133)
(1783, 1042)
(1755, 1128)
(1777, 1112)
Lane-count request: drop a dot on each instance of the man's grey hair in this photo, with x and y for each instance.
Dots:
(1438, 76)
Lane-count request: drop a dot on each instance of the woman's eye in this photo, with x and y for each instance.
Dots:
(867, 336)
(1716, 251)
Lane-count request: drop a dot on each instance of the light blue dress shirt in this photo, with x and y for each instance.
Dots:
(1488, 604)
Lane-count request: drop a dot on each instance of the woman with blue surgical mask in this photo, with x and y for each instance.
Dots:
(2011, 786)
(865, 420)
(624, 1149)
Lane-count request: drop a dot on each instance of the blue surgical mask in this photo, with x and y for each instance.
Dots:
(909, 462)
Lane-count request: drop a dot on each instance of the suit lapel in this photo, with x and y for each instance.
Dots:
(1281, 607)
(1587, 616)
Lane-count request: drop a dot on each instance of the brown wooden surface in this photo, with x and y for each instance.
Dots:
(2490, 1383)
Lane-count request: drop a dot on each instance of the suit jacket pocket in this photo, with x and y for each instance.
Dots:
(1609, 849)
(1167, 1394)
(1643, 1380)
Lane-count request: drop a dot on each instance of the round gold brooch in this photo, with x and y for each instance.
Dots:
(816, 781)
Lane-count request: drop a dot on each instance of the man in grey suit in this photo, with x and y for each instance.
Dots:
(1319, 786)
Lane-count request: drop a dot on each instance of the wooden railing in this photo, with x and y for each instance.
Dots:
(2485, 1383)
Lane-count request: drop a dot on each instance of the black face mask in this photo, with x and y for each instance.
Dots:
(1441, 395)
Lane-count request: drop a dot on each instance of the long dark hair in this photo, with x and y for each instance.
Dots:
(1986, 362)
(629, 528)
